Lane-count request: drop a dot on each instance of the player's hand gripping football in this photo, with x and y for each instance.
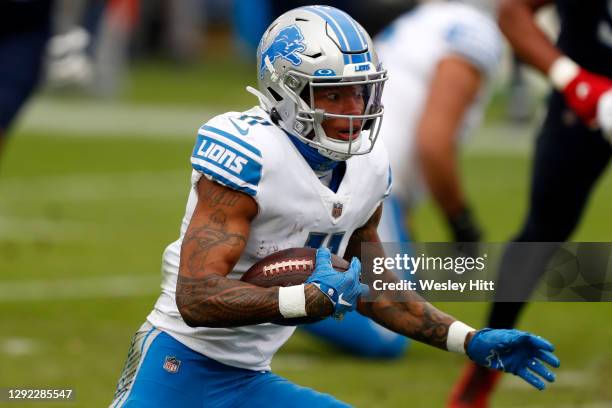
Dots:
(516, 352)
(342, 288)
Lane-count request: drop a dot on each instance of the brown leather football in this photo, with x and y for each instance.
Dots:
(287, 268)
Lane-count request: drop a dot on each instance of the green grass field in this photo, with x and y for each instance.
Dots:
(85, 215)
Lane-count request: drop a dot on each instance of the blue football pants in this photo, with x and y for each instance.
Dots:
(162, 372)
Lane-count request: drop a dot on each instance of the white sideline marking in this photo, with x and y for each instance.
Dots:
(97, 186)
(90, 118)
(18, 346)
(79, 288)
(113, 119)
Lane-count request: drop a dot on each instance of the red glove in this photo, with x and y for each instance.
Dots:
(581, 88)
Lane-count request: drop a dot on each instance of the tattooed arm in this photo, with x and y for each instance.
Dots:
(411, 316)
(213, 243)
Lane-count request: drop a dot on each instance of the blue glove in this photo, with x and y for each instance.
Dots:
(342, 288)
(516, 352)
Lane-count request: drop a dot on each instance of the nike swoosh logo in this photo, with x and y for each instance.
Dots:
(243, 132)
(344, 302)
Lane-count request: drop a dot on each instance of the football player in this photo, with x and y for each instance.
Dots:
(440, 57)
(25, 27)
(301, 169)
(572, 148)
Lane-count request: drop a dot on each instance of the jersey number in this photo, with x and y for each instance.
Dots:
(319, 239)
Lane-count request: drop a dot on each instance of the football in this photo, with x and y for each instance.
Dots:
(287, 268)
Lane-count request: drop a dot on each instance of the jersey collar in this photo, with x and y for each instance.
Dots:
(315, 160)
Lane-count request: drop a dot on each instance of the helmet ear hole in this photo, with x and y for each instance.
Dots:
(275, 116)
(275, 94)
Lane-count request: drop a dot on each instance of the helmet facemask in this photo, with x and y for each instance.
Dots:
(308, 125)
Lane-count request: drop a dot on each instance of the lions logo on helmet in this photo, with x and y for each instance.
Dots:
(287, 44)
(325, 47)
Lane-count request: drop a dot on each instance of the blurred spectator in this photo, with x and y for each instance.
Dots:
(91, 42)
(111, 51)
(176, 28)
(250, 18)
(94, 39)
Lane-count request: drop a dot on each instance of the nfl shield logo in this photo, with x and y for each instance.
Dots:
(172, 364)
(337, 210)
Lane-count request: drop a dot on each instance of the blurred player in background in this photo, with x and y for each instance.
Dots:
(572, 147)
(440, 57)
(301, 169)
(25, 28)
(90, 47)
(95, 39)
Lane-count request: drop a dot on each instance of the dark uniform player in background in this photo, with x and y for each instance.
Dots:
(571, 149)
(25, 27)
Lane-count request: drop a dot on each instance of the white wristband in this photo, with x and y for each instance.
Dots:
(292, 301)
(604, 114)
(457, 332)
(562, 72)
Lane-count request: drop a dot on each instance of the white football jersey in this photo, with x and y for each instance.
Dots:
(410, 49)
(246, 152)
